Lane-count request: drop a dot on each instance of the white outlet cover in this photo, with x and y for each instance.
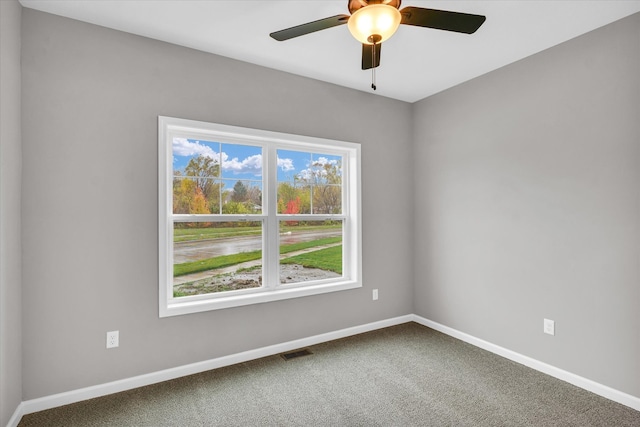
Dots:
(113, 339)
(549, 327)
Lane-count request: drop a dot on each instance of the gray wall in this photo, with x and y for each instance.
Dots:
(91, 97)
(526, 203)
(528, 206)
(10, 252)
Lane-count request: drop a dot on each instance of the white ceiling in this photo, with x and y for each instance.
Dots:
(415, 62)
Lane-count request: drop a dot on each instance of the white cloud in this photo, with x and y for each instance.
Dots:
(321, 161)
(316, 170)
(184, 147)
(252, 164)
(286, 164)
(305, 174)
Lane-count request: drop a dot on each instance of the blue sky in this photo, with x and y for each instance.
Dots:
(244, 161)
(238, 161)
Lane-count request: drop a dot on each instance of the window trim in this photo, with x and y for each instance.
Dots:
(168, 127)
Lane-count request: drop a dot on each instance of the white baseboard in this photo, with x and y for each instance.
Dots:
(48, 402)
(584, 383)
(17, 416)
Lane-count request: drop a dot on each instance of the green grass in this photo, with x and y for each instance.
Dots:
(285, 249)
(229, 260)
(177, 294)
(325, 259)
(214, 263)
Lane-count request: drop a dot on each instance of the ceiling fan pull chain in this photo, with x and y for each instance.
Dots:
(373, 66)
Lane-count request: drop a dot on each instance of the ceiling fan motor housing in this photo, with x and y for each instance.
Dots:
(359, 4)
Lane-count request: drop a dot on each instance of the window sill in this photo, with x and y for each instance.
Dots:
(176, 307)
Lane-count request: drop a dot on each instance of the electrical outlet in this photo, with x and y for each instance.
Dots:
(549, 327)
(113, 339)
(375, 294)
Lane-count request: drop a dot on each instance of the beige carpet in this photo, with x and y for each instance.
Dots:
(406, 375)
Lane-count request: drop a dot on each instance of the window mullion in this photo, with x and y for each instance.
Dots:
(271, 244)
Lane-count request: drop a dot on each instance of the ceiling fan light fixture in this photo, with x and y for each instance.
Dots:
(379, 20)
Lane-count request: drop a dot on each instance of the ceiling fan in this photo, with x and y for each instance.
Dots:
(373, 21)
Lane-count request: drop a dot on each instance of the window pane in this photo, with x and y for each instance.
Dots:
(196, 165)
(326, 177)
(327, 199)
(309, 183)
(294, 195)
(293, 199)
(310, 250)
(241, 197)
(242, 184)
(197, 169)
(241, 162)
(193, 195)
(327, 169)
(216, 257)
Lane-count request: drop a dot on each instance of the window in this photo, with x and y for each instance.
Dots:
(249, 216)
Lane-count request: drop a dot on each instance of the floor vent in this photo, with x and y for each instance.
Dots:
(294, 354)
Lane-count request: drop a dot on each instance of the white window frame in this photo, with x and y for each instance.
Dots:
(169, 127)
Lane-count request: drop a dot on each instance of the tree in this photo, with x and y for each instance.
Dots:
(239, 192)
(204, 169)
(288, 192)
(183, 193)
(214, 202)
(329, 172)
(254, 196)
(237, 208)
(324, 181)
(198, 203)
(293, 207)
(327, 199)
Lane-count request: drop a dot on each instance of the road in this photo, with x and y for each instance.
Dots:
(202, 249)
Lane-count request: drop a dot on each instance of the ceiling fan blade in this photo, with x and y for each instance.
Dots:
(442, 19)
(309, 27)
(367, 56)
